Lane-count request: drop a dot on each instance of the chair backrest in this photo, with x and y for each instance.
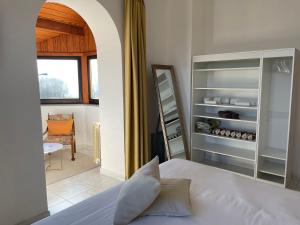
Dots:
(62, 117)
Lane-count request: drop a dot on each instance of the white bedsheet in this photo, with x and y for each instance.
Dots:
(218, 198)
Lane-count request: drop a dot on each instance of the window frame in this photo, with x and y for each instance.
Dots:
(61, 100)
(91, 100)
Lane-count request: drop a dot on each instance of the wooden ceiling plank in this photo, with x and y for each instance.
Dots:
(44, 34)
(59, 27)
(62, 19)
(61, 13)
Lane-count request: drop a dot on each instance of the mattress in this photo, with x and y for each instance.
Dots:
(218, 198)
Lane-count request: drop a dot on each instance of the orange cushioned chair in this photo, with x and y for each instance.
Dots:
(61, 129)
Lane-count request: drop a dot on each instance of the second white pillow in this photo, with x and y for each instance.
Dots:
(173, 200)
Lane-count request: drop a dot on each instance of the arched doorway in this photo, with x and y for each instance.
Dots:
(109, 51)
(109, 59)
(69, 88)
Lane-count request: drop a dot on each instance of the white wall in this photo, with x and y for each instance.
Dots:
(169, 34)
(156, 40)
(91, 116)
(179, 31)
(85, 116)
(241, 25)
(22, 186)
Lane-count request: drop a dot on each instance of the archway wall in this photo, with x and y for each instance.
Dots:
(23, 189)
(109, 51)
(21, 158)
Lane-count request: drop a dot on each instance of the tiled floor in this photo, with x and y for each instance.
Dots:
(70, 191)
(84, 161)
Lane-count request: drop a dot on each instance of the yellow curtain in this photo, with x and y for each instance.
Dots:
(136, 124)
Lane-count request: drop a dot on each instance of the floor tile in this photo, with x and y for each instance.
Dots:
(70, 191)
(73, 190)
(53, 199)
(81, 196)
(59, 207)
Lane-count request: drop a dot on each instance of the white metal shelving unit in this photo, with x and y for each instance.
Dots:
(227, 106)
(243, 119)
(265, 77)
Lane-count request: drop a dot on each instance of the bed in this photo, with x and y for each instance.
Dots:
(217, 197)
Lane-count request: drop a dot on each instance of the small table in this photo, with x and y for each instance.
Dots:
(53, 147)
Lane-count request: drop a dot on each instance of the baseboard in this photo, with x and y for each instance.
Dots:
(81, 146)
(112, 174)
(85, 147)
(35, 218)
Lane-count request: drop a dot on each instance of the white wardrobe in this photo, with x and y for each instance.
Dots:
(241, 113)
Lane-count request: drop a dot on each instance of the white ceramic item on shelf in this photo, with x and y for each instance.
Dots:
(243, 102)
(232, 101)
(218, 100)
(225, 100)
(208, 100)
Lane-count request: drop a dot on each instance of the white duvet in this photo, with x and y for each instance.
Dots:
(217, 197)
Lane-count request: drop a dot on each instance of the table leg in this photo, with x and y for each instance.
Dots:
(50, 162)
(49, 154)
(45, 160)
(61, 159)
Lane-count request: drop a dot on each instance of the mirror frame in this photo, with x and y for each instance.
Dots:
(178, 103)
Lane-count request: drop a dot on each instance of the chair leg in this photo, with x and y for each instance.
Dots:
(75, 147)
(73, 151)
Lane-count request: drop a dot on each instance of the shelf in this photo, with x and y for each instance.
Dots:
(215, 116)
(274, 153)
(163, 82)
(172, 123)
(270, 178)
(234, 169)
(167, 97)
(175, 139)
(170, 111)
(227, 89)
(226, 69)
(273, 168)
(178, 153)
(223, 137)
(240, 153)
(227, 106)
(265, 98)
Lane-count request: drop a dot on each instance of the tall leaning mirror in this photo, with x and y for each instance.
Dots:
(170, 112)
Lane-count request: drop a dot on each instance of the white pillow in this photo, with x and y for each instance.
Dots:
(136, 195)
(150, 169)
(173, 200)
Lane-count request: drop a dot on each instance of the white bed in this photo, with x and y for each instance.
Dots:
(218, 198)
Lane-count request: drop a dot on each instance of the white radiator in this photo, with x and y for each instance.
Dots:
(96, 143)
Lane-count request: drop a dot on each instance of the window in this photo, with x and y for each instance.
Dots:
(93, 80)
(59, 79)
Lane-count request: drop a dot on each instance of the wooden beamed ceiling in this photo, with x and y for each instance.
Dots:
(56, 19)
(59, 27)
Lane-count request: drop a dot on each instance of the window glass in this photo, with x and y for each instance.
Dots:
(94, 82)
(58, 78)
